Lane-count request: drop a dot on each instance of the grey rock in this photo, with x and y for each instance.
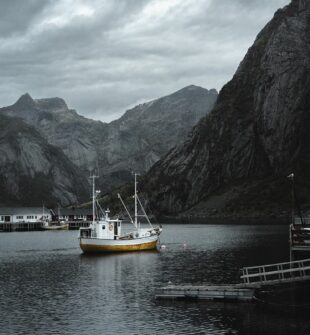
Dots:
(132, 143)
(33, 171)
(257, 133)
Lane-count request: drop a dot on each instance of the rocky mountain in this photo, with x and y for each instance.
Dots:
(132, 143)
(238, 156)
(33, 171)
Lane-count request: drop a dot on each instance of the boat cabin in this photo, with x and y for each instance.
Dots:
(104, 228)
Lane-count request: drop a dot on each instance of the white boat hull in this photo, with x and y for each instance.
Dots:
(89, 245)
(55, 227)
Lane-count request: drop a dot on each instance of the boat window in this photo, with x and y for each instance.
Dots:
(103, 227)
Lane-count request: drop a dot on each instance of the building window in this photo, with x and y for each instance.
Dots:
(29, 216)
(2, 218)
(19, 217)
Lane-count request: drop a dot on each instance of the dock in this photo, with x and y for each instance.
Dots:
(206, 292)
(37, 226)
(253, 279)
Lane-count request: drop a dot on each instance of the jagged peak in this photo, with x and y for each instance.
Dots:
(195, 88)
(55, 104)
(213, 91)
(52, 104)
(25, 101)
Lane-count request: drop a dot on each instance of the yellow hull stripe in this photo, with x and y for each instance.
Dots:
(118, 248)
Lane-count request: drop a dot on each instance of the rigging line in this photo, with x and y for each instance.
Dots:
(155, 220)
(120, 198)
(98, 204)
(147, 218)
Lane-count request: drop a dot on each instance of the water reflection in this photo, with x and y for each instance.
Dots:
(47, 286)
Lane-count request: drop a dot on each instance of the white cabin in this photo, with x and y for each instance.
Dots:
(105, 228)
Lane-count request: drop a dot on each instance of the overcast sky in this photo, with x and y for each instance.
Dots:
(104, 56)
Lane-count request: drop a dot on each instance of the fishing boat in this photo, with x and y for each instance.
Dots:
(48, 225)
(55, 226)
(105, 235)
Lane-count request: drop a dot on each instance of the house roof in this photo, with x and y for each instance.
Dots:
(23, 210)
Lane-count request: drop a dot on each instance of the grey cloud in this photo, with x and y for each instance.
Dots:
(112, 54)
(16, 15)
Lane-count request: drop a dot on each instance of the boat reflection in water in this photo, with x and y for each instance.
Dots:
(105, 234)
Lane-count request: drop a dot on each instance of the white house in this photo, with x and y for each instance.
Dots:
(24, 214)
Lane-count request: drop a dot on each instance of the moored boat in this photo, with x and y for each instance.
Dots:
(105, 234)
(55, 226)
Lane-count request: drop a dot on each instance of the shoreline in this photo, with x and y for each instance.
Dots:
(233, 220)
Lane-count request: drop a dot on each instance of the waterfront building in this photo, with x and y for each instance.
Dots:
(24, 214)
(72, 214)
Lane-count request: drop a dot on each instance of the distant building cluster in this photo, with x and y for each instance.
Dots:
(39, 214)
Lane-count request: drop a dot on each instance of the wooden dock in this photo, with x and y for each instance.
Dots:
(37, 226)
(254, 278)
(206, 292)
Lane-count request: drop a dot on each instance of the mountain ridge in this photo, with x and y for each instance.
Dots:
(132, 143)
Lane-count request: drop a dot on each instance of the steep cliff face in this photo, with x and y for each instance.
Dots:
(32, 171)
(145, 133)
(257, 133)
(134, 142)
(76, 136)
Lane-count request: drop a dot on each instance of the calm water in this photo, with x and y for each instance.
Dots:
(48, 287)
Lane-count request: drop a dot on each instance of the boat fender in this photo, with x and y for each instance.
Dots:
(110, 226)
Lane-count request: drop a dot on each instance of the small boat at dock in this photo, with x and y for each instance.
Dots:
(55, 226)
(105, 235)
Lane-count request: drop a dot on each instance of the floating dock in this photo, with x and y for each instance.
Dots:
(207, 292)
(254, 278)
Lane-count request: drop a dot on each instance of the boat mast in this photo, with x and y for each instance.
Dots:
(136, 204)
(94, 195)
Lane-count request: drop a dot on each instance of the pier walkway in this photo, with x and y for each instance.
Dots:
(35, 226)
(276, 273)
(254, 278)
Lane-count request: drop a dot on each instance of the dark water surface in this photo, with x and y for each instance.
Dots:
(48, 287)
